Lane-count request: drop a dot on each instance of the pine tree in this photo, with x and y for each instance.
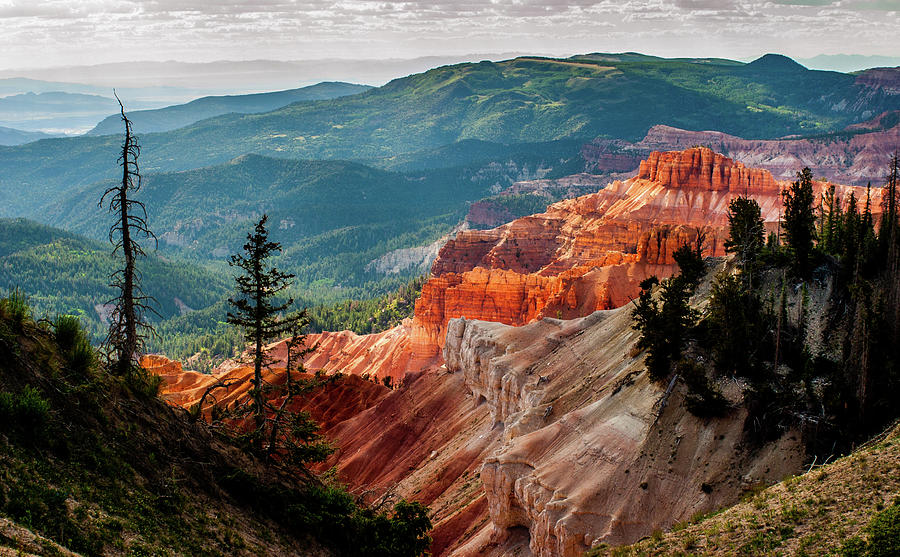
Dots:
(799, 222)
(128, 328)
(852, 237)
(258, 314)
(746, 233)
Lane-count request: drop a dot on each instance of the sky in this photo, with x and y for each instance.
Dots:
(46, 33)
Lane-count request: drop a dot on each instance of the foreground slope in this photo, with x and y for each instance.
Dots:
(820, 512)
(98, 465)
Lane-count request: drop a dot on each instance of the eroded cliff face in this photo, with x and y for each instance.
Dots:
(854, 158)
(589, 453)
(523, 417)
(591, 252)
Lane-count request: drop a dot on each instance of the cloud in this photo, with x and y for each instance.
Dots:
(91, 31)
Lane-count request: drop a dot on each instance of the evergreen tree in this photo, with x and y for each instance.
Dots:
(665, 323)
(746, 233)
(128, 328)
(737, 327)
(799, 222)
(258, 314)
(690, 265)
(852, 237)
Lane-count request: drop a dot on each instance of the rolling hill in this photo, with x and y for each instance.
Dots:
(333, 217)
(62, 272)
(178, 116)
(520, 100)
(12, 136)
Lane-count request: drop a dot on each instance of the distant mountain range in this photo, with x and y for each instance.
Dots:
(178, 116)
(348, 180)
(849, 62)
(12, 136)
(246, 76)
(520, 100)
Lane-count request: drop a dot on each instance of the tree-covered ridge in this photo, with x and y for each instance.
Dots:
(64, 273)
(180, 115)
(520, 100)
(333, 217)
(367, 316)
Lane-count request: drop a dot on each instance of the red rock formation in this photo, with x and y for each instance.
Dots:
(705, 170)
(590, 252)
(431, 437)
(851, 158)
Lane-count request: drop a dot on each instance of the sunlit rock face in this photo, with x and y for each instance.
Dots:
(520, 412)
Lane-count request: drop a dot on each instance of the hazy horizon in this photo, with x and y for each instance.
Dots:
(73, 32)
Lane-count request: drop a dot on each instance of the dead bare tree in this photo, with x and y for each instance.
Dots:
(128, 328)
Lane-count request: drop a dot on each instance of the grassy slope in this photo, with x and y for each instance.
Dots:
(810, 514)
(99, 465)
(521, 100)
(93, 465)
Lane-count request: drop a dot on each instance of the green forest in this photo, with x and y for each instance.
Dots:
(837, 384)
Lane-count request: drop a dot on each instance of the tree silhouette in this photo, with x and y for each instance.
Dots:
(746, 233)
(800, 221)
(128, 328)
(260, 316)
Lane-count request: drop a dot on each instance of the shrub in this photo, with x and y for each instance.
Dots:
(74, 344)
(15, 308)
(27, 411)
(703, 399)
(884, 532)
(143, 383)
(853, 547)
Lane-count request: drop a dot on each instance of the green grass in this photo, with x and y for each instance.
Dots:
(97, 464)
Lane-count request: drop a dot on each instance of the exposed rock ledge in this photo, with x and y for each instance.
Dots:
(586, 455)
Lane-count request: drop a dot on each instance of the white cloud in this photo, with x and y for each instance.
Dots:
(91, 31)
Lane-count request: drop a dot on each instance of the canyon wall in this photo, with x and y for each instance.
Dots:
(520, 412)
(857, 156)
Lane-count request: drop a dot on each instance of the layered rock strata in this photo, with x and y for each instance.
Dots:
(591, 252)
(590, 453)
(857, 156)
(529, 426)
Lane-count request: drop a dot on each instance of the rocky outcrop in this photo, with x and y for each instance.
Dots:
(591, 252)
(337, 399)
(522, 416)
(706, 170)
(589, 454)
(856, 157)
(417, 259)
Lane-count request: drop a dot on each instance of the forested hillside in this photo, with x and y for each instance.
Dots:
(177, 116)
(333, 217)
(520, 100)
(61, 272)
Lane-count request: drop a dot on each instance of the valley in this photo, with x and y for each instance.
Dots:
(493, 257)
(518, 376)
